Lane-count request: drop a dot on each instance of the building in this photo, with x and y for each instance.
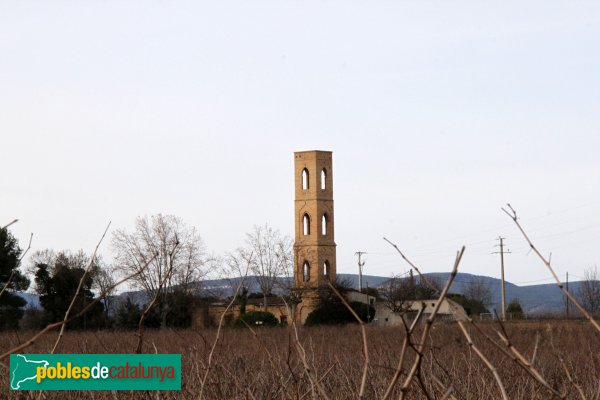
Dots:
(314, 244)
(209, 315)
(449, 310)
(314, 265)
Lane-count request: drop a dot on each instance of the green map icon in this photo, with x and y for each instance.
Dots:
(24, 369)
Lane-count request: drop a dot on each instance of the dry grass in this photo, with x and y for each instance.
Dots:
(265, 365)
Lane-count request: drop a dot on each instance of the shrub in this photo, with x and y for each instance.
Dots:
(515, 308)
(256, 318)
(336, 313)
(471, 306)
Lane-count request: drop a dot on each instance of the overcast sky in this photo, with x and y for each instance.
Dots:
(437, 113)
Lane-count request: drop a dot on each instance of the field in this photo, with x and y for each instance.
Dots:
(267, 363)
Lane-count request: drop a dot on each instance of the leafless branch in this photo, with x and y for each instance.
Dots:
(71, 318)
(214, 345)
(513, 215)
(405, 344)
(14, 221)
(427, 282)
(428, 324)
(81, 281)
(483, 358)
(363, 331)
(140, 333)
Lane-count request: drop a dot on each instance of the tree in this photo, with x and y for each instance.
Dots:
(589, 290)
(104, 284)
(399, 292)
(57, 282)
(234, 270)
(478, 290)
(471, 306)
(332, 311)
(336, 313)
(166, 253)
(270, 256)
(128, 314)
(11, 280)
(515, 308)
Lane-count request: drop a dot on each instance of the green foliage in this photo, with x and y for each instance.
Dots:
(11, 305)
(57, 286)
(33, 319)
(180, 305)
(255, 319)
(364, 311)
(515, 308)
(471, 306)
(128, 315)
(332, 312)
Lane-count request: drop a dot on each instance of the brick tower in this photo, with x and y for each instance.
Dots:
(314, 246)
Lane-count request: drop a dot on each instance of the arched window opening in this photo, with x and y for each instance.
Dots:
(326, 268)
(323, 179)
(306, 271)
(324, 225)
(306, 225)
(304, 179)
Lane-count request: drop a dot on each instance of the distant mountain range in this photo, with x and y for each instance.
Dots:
(546, 298)
(538, 299)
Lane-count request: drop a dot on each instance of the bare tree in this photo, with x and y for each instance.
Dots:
(173, 252)
(479, 290)
(589, 290)
(400, 291)
(103, 282)
(234, 271)
(270, 255)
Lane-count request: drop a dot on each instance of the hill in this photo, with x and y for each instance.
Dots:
(545, 298)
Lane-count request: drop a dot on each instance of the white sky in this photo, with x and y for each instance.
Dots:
(438, 113)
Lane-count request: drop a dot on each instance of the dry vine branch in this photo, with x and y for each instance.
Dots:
(81, 281)
(405, 344)
(214, 345)
(429, 284)
(460, 317)
(487, 363)
(513, 215)
(428, 323)
(14, 221)
(521, 360)
(140, 333)
(567, 373)
(161, 284)
(302, 355)
(528, 367)
(79, 314)
(363, 331)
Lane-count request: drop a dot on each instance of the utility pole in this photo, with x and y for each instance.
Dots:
(368, 304)
(567, 300)
(502, 252)
(360, 265)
